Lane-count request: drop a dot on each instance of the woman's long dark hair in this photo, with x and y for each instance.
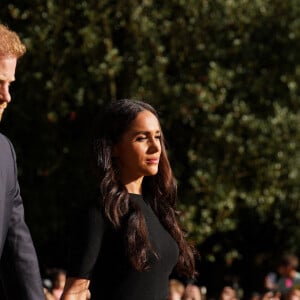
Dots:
(161, 189)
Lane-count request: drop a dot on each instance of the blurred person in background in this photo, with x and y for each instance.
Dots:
(289, 277)
(293, 294)
(271, 295)
(19, 271)
(228, 293)
(192, 292)
(176, 289)
(270, 282)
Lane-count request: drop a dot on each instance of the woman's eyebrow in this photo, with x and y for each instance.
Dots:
(145, 132)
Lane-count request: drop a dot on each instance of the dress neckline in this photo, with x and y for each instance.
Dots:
(136, 195)
(139, 197)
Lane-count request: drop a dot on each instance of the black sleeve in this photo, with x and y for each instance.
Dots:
(87, 228)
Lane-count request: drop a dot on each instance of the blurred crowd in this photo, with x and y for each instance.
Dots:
(282, 284)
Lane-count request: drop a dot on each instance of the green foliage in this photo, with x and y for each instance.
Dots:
(225, 78)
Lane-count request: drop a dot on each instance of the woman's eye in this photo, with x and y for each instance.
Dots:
(141, 138)
(158, 137)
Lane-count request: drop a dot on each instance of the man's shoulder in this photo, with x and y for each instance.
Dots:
(4, 141)
(7, 149)
(3, 138)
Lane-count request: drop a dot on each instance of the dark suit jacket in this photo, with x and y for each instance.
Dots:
(19, 271)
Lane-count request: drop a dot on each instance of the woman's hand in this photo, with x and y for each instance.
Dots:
(76, 289)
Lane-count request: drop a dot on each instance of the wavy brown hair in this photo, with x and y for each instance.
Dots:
(161, 190)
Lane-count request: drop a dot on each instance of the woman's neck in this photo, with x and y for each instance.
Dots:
(134, 187)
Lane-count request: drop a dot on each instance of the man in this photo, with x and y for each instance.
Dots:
(19, 272)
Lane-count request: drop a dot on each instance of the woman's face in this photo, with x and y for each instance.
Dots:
(138, 152)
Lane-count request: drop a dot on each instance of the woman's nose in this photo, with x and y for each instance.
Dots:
(155, 145)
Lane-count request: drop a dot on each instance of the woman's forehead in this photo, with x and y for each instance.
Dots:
(145, 121)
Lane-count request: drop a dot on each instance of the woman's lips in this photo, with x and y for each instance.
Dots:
(153, 161)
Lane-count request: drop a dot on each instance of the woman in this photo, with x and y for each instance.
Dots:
(133, 239)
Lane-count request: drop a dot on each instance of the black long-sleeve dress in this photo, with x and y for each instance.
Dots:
(100, 256)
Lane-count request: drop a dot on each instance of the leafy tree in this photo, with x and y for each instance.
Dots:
(225, 78)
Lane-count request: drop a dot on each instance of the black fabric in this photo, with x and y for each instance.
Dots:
(100, 256)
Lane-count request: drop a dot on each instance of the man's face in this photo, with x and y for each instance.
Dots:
(7, 75)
